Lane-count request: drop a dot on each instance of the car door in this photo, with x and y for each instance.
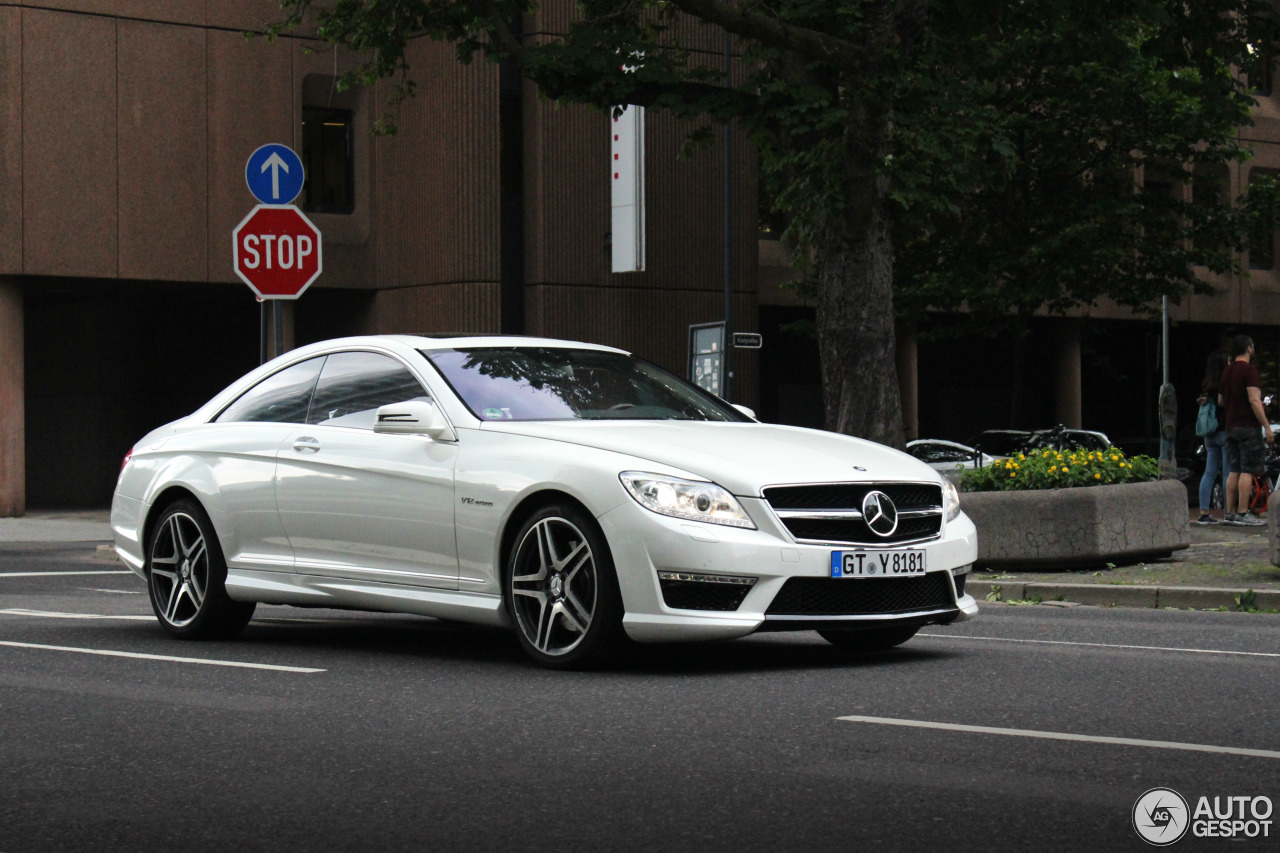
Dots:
(247, 436)
(361, 505)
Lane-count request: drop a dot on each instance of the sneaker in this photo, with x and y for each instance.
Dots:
(1230, 518)
(1205, 518)
(1249, 519)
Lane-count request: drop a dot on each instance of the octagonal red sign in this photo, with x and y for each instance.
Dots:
(276, 251)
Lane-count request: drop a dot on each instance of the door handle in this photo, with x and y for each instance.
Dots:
(306, 444)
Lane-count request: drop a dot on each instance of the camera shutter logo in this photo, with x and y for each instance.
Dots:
(1161, 816)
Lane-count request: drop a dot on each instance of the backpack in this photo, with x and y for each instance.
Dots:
(1207, 419)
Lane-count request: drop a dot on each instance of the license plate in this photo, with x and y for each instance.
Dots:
(868, 564)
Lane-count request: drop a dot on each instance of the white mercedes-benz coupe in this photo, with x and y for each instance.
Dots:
(575, 493)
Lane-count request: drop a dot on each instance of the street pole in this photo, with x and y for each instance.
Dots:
(1168, 404)
(727, 367)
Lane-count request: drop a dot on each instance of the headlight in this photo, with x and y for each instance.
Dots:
(950, 499)
(696, 501)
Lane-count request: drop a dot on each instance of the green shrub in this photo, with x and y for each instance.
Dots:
(1060, 469)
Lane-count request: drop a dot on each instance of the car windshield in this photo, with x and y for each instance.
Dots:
(551, 383)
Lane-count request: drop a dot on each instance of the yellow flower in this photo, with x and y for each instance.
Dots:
(1097, 476)
(1115, 458)
(1053, 468)
(1007, 466)
(1011, 475)
(1021, 456)
(1066, 468)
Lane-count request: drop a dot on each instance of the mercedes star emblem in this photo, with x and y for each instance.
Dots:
(880, 514)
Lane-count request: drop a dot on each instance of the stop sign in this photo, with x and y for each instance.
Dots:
(276, 251)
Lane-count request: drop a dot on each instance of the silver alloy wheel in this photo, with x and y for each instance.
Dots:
(553, 586)
(179, 569)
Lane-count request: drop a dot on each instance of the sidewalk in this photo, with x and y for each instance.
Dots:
(1222, 564)
(71, 525)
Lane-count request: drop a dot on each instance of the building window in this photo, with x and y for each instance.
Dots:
(1209, 192)
(326, 156)
(1262, 242)
(1262, 75)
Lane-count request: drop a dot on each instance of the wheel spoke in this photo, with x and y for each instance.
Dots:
(579, 615)
(196, 589)
(580, 548)
(547, 547)
(175, 595)
(172, 577)
(546, 618)
(572, 573)
(568, 617)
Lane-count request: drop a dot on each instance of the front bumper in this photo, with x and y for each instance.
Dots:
(644, 543)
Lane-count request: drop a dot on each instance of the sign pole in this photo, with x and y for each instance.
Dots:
(278, 314)
(262, 331)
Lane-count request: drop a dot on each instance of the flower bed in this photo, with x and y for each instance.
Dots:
(1060, 469)
(1032, 512)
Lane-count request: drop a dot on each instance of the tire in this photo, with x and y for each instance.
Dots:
(186, 577)
(1215, 495)
(872, 640)
(561, 590)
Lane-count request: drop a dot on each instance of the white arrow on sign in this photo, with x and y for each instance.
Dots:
(275, 164)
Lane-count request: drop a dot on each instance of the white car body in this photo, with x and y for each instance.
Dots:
(327, 515)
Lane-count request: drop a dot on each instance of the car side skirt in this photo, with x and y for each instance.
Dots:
(313, 591)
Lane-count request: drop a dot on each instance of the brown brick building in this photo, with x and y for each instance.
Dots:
(125, 126)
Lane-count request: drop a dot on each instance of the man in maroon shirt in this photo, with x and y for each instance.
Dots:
(1240, 395)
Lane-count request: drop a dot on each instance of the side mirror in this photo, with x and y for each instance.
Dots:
(413, 417)
(748, 412)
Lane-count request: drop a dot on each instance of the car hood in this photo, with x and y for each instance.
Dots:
(742, 457)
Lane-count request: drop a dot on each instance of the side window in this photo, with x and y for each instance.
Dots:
(280, 398)
(354, 384)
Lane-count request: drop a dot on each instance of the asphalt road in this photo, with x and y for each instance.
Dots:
(345, 731)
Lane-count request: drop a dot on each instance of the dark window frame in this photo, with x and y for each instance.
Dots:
(310, 158)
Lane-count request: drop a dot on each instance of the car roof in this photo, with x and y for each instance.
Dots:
(462, 340)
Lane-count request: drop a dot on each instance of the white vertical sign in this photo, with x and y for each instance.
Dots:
(627, 160)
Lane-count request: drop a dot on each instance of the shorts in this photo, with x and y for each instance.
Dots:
(1247, 450)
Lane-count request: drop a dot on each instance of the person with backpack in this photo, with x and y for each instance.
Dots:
(1240, 393)
(1211, 426)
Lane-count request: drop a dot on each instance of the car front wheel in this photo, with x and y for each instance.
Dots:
(561, 591)
(187, 577)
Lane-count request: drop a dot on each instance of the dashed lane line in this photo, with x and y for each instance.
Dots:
(51, 614)
(1032, 733)
(1102, 645)
(167, 658)
(59, 574)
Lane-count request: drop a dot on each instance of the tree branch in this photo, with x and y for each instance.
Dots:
(773, 32)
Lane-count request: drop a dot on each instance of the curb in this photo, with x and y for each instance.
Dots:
(1106, 595)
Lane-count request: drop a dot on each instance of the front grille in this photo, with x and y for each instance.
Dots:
(925, 498)
(861, 596)
(699, 595)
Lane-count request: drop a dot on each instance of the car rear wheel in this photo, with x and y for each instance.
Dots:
(873, 640)
(561, 591)
(187, 577)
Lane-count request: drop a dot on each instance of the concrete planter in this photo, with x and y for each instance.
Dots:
(1081, 526)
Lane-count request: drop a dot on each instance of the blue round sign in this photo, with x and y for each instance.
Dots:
(274, 174)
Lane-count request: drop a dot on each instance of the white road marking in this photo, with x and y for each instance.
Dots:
(52, 614)
(55, 574)
(1119, 741)
(113, 591)
(141, 656)
(1104, 645)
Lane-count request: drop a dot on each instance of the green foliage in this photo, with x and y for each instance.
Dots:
(1050, 153)
(1054, 469)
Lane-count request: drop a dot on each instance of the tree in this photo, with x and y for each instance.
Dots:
(991, 141)
(1055, 152)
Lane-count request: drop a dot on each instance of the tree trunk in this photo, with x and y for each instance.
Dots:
(853, 256)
